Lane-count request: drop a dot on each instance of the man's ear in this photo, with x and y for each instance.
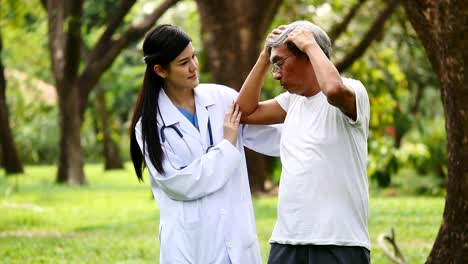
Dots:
(160, 71)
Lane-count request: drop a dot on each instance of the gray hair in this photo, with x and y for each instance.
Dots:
(320, 36)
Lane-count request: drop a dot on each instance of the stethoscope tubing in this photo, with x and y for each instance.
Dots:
(179, 133)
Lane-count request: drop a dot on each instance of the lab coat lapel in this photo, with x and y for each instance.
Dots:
(172, 115)
(203, 102)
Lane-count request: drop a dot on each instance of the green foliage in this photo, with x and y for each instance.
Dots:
(95, 13)
(114, 219)
(431, 134)
(24, 33)
(34, 122)
(409, 182)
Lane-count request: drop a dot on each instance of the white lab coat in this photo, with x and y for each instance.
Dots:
(206, 212)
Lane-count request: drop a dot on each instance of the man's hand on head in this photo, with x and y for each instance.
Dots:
(302, 38)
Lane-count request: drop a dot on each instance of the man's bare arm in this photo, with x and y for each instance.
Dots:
(267, 113)
(249, 95)
(253, 111)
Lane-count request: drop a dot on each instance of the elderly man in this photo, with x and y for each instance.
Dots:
(323, 193)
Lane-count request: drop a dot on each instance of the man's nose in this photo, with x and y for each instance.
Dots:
(277, 76)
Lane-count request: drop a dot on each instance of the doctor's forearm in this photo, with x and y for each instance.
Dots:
(204, 175)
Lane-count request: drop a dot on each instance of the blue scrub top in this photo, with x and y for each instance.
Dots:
(192, 118)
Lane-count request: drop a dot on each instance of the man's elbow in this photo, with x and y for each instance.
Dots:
(246, 110)
(246, 118)
(343, 98)
(336, 92)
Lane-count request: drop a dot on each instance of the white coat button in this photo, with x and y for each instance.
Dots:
(229, 244)
(222, 212)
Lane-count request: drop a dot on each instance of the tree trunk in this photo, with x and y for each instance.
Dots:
(112, 158)
(232, 34)
(441, 25)
(64, 30)
(10, 158)
(70, 169)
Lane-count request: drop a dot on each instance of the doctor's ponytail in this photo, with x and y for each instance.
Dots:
(161, 46)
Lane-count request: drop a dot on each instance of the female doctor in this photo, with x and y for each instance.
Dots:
(188, 136)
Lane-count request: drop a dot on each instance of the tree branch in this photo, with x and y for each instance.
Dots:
(373, 32)
(44, 4)
(270, 9)
(398, 257)
(113, 22)
(338, 29)
(56, 41)
(136, 32)
(105, 52)
(73, 39)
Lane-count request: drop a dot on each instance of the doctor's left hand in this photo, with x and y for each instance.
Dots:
(231, 123)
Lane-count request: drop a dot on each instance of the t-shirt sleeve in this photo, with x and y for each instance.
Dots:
(362, 103)
(283, 100)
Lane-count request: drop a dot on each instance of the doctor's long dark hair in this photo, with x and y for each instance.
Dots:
(161, 46)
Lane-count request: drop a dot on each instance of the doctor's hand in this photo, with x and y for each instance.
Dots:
(231, 123)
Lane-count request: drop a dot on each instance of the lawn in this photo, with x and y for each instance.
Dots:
(115, 220)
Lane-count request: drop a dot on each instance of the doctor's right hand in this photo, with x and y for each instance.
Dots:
(231, 123)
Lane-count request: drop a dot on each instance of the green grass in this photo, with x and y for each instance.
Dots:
(115, 220)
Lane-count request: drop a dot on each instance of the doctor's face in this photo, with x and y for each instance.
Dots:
(182, 72)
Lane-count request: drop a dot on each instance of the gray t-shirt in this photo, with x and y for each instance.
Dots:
(323, 194)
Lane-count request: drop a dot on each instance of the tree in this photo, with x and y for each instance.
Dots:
(112, 159)
(10, 158)
(374, 31)
(232, 33)
(74, 85)
(441, 26)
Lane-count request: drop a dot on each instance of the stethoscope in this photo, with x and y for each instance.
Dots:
(177, 130)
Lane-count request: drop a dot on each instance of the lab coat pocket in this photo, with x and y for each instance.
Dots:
(172, 247)
(246, 229)
(203, 241)
(191, 214)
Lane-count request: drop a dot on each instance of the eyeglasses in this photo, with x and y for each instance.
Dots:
(278, 66)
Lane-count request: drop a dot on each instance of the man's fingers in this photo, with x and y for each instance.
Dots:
(277, 31)
(280, 28)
